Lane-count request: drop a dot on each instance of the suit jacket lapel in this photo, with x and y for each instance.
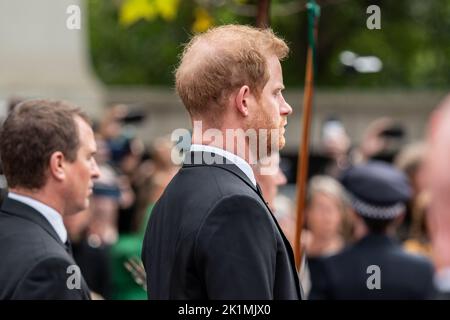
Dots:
(19, 209)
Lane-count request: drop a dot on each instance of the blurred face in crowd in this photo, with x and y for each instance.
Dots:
(272, 110)
(76, 224)
(437, 160)
(103, 154)
(437, 168)
(270, 182)
(82, 172)
(324, 217)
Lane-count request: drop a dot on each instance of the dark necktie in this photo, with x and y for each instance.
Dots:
(68, 246)
(258, 188)
(259, 191)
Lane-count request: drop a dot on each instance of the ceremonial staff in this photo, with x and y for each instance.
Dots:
(262, 15)
(313, 12)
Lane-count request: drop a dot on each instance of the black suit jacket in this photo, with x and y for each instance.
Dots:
(212, 236)
(34, 261)
(442, 295)
(344, 276)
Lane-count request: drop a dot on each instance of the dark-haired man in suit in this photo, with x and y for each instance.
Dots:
(47, 149)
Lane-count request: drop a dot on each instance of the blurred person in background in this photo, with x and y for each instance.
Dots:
(410, 161)
(102, 236)
(327, 224)
(92, 257)
(327, 221)
(437, 172)
(375, 266)
(125, 156)
(336, 146)
(152, 177)
(128, 172)
(107, 196)
(111, 129)
(418, 240)
(104, 207)
(381, 140)
(3, 184)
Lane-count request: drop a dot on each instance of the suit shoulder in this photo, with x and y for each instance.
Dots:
(35, 243)
(214, 182)
(54, 265)
(248, 203)
(239, 211)
(234, 216)
(52, 277)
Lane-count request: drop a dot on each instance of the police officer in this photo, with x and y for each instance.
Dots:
(375, 266)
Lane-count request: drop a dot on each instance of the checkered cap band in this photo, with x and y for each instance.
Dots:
(376, 212)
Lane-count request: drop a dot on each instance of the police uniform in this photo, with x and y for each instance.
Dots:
(376, 266)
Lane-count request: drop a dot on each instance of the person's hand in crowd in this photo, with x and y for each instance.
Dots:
(336, 141)
(136, 268)
(373, 141)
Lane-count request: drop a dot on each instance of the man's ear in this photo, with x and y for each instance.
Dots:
(57, 165)
(242, 99)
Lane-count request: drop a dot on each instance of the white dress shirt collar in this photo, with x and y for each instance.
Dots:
(53, 217)
(238, 161)
(442, 280)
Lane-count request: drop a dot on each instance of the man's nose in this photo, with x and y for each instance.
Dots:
(285, 109)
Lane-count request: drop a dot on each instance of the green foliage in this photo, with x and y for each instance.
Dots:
(413, 43)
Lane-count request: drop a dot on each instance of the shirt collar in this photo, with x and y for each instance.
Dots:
(442, 280)
(238, 161)
(53, 217)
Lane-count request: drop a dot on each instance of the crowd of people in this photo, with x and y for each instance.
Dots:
(137, 225)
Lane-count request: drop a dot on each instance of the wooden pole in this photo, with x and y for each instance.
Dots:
(263, 14)
(303, 155)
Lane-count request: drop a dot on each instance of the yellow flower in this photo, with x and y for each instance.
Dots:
(132, 11)
(203, 20)
(167, 9)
